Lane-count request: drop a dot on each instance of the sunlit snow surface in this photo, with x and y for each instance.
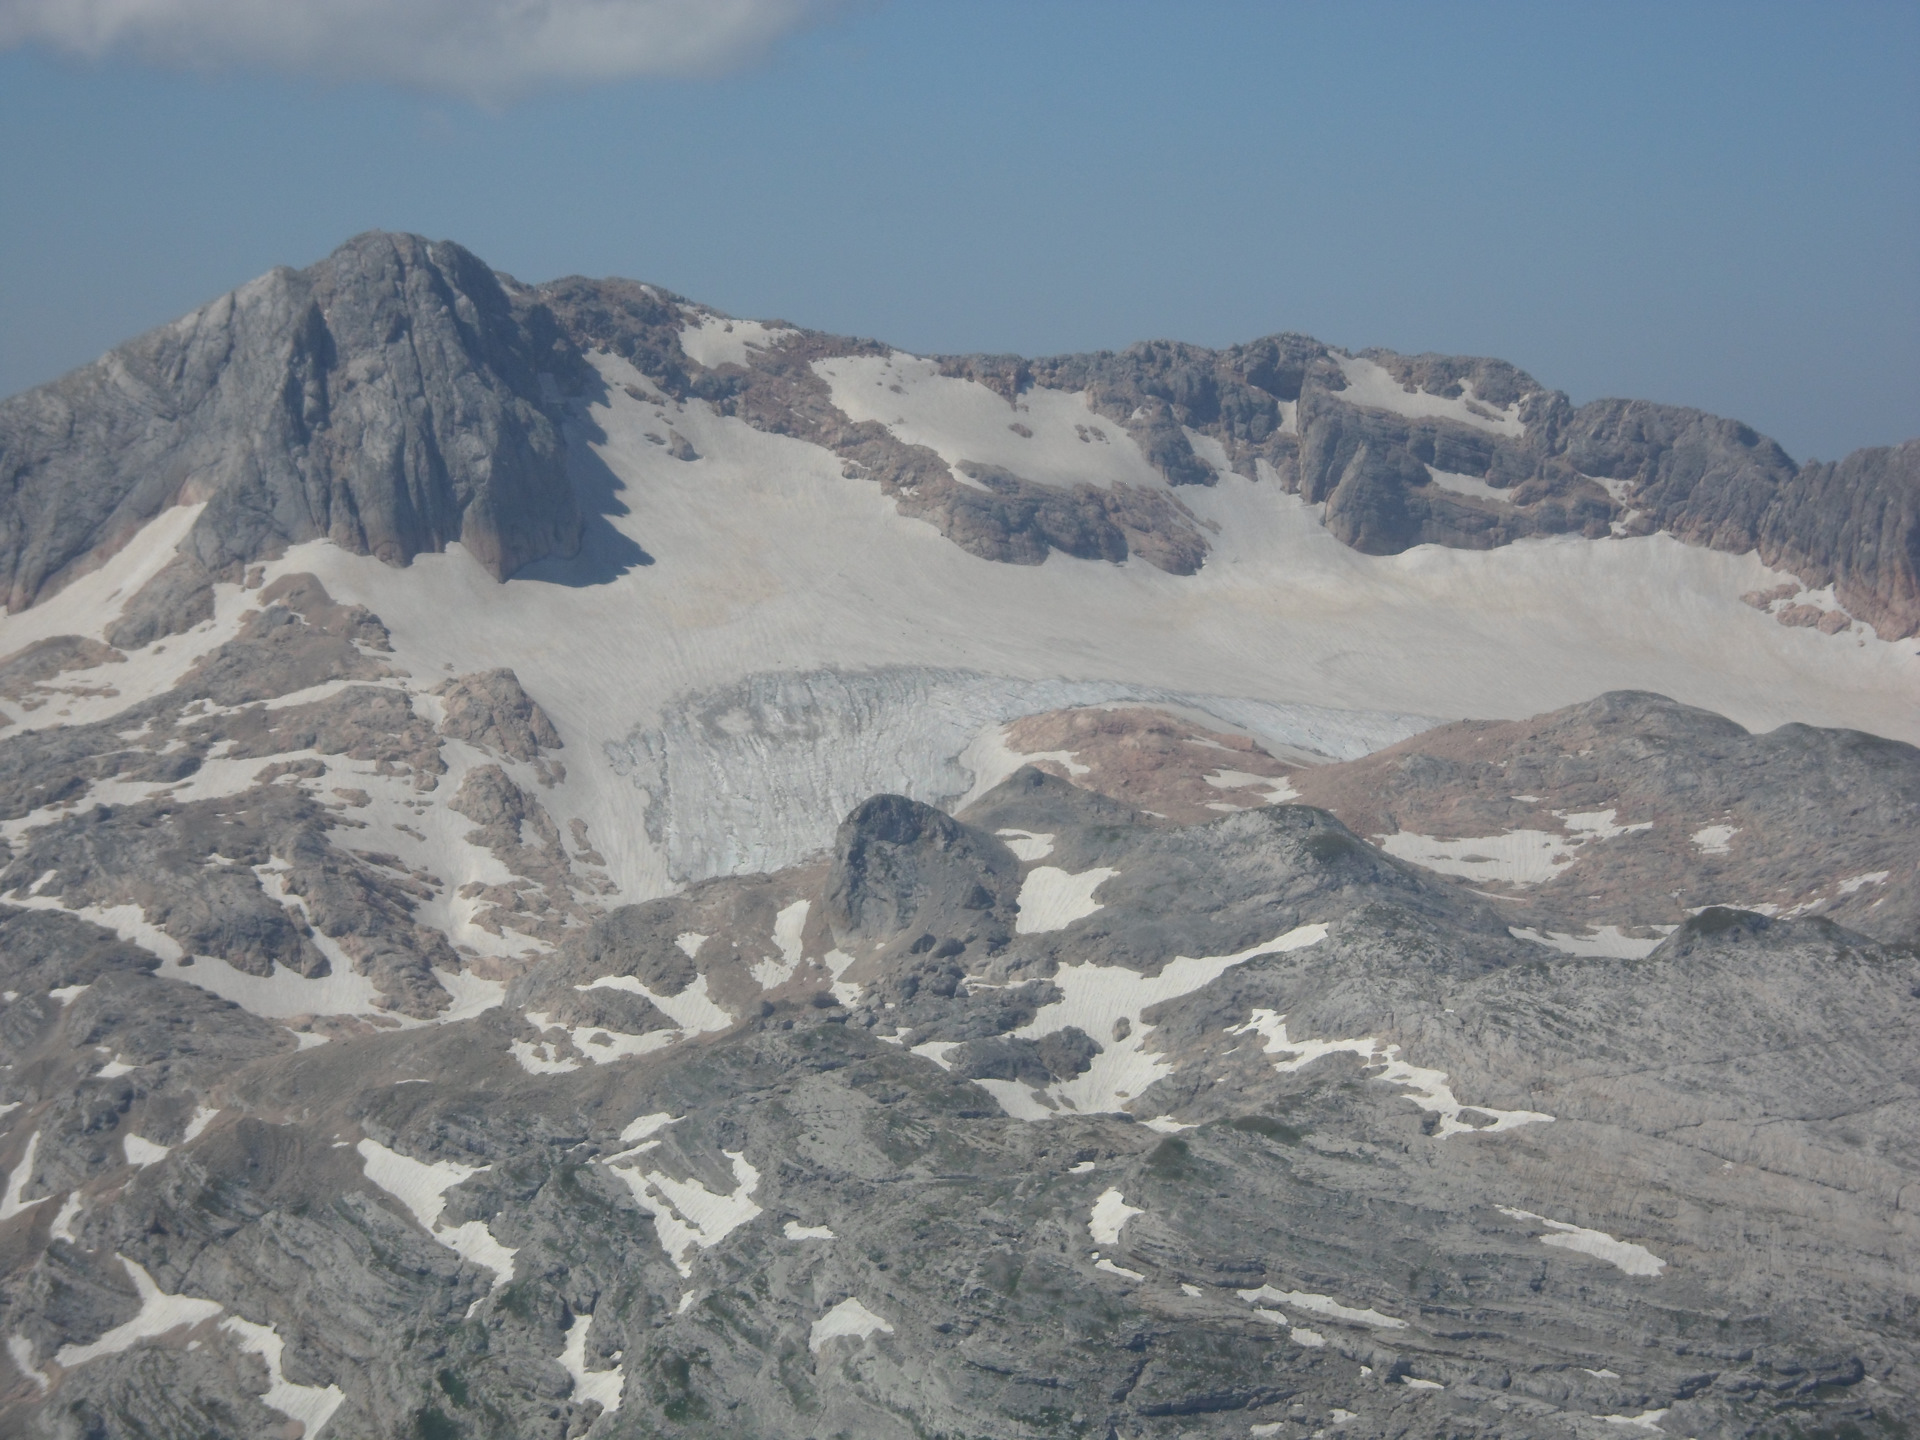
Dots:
(159, 1313)
(686, 1215)
(311, 1405)
(1052, 899)
(717, 340)
(1469, 485)
(1093, 998)
(1426, 1088)
(18, 1179)
(1645, 1420)
(1603, 942)
(1371, 384)
(20, 1351)
(1027, 844)
(901, 649)
(1715, 839)
(849, 1318)
(143, 1152)
(1068, 442)
(1323, 1305)
(62, 1227)
(422, 1188)
(1518, 857)
(1109, 1217)
(1622, 1254)
(604, 1386)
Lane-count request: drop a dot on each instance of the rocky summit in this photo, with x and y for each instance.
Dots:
(581, 866)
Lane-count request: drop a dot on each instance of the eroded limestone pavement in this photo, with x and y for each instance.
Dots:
(1060, 1117)
(1546, 1077)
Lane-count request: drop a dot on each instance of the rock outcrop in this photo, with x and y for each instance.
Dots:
(387, 398)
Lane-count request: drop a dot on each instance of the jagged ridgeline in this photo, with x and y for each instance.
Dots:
(399, 395)
(581, 867)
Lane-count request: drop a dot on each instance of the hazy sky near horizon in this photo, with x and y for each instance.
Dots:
(1705, 204)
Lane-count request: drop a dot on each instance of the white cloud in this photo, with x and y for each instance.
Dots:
(481, 49)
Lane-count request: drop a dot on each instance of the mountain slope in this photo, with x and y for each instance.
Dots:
(387, 398)
(580, 867)
(1385, 1166)
(390, 399)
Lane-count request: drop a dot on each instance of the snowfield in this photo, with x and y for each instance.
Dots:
(752, 642)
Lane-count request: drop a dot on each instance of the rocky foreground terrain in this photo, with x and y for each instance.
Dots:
(577, 866)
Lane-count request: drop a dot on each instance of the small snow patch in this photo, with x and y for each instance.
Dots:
(1470, 485)
(1604, 942)
(849, 1318)
(20, 1351)
(63, 1222)
(1094, 999)
(1624, 1255)
(648, 1125)
(1109, 1217)
(796, 1231)
(311, 1405)
(144, 1152)
(605, 1386)
(1645, 1420)
(787, 926)
(1052, 899)
(422, 1188)
(688, 1216)
(1321, 1305)
(1518, 857)
(159, 1313)
(1713, 839)
(1430, 1090)
(936, 1051)
(1371, 384)
(693, 1009)
(10, 1203)
(1027, 844)
(714, 340)
(1277, 789)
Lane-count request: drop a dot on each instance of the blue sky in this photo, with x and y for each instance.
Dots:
(1714, 205)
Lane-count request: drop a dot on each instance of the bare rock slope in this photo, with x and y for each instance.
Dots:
(751, 984)
(1049, 1122)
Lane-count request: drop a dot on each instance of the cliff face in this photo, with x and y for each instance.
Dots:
(387, 398)
(1855, 525)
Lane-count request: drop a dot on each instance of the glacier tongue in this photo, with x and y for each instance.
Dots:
(755, 776)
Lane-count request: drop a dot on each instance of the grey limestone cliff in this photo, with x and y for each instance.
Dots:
(387, 398)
